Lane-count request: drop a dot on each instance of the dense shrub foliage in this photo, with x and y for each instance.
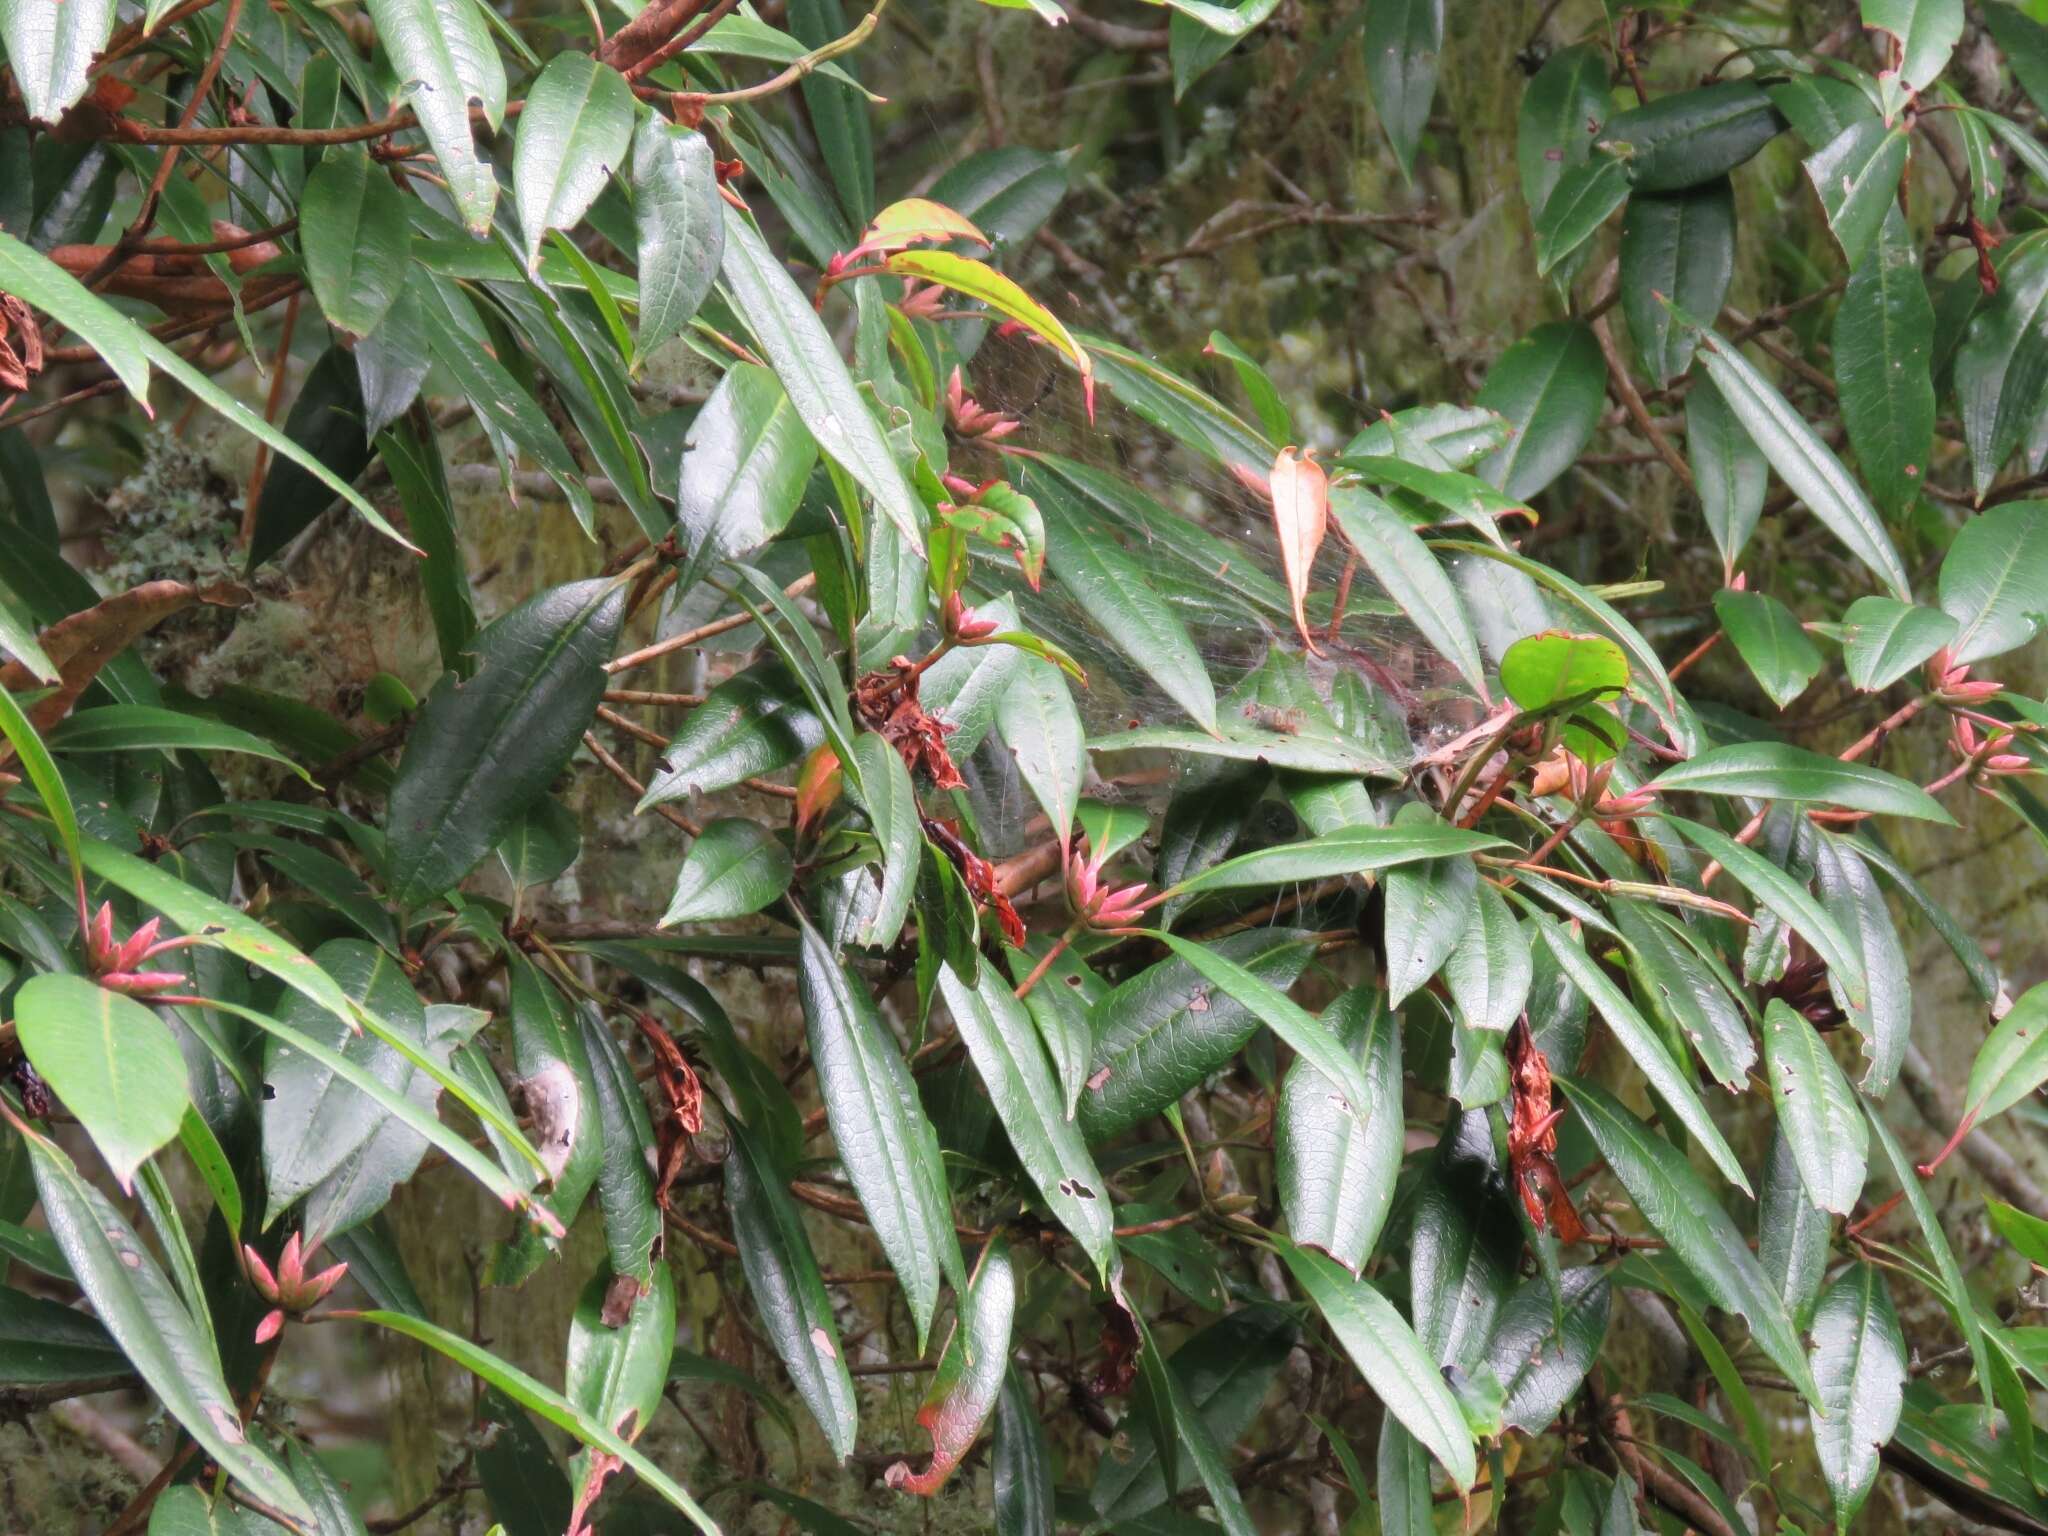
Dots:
(1317, 1007)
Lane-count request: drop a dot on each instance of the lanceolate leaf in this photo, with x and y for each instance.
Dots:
(886, 1144)
(1586, 196)
(1004, 1046)
(1402, 40)
(680, 221)
(1692, 137)
(112, 1062)
(1859, 1360)
(1769, 638)
(971, 1372)
(1489, 971)
(1562, 112)
(1042, 729)
(1688, 1215)
(616, 1369)
(810, 367)
(449, 61)
(1539, 1365)
(1884, 366)
(1428, 908)
(1792, 1232)
(734, 869)
(1549, 387)
(1336, 1162)
(1804, 462)
(1728, 472)
(979, 280)
(1816, 1108)
(572, 138)
(744, 468)
(484, 748)
(2013, 1061)
(1850, 895)
(354, 231)
(1384, 1349)
(1926, 32)
(1993, 580)
(1403, 564)
(1857, 176)
(754, 722)
(2001, 367)
(51, 45)
(137, 1305)
(1349, 851)
(1679, 247)
(1769, 770)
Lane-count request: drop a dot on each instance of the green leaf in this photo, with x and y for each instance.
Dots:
(1994, 580)
(1688, 1215)
(118, 340)
(1728, 472)
(1541, 672)
(625, 1176)
(971, 1372)
(1679, 247)
(2001, 365)
(1804, 462)
(891, 803)
(2024, 42)
(804, 357)
(1402, 41)
(1685, 985)
(616, 1370)
(1162, 1031)
(312, 1119)
(1463, 1244)
(414, 461)
(46, 1341)
(356, 238)
(1645, 1047)
(1111, 587)
(1042, 730)
(1768, 770)
(1349, 851)
(43, 778)
(1429, 906)
(1883, 639)
(1585, 197)
(1403, 565)
(542, 844)
(137, 727)
(1540, 1365)
(1816, 1109)
(1386, 1352)
(326, 425)
(1550, 388)
(572, 138)
(1925, 31)
(1771, 641)
(112, 1062)
(979, 280)
(1562, 113)
(1685, 140)
(886, 1145)
(550, 1405)
(754, 722)
(1022, 1468)
(1856, 174)
(838, 108)
(1258, 386)
(1440, 436)
(1850, 895)
(447, 61)
(552, 1075)
(734, 869)
(1004, 1047)
(680, 221)
(1490, 971)
(1311, 748)
(1335, 1163)
(137, 1305)
(1884, 357)
(51, 45)
(1859, 1360)
(1792, 1232)
(483, 749)
(2013, 1060)
(744, 468)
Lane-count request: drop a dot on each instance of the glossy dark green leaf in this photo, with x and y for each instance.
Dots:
(1348, 851)
(1859, 1359)
(625, 1175)
(734, 869)
(1489, 971)
(1539, 1366)
(680, 221)
(1772, 771)
(414, 460)
(45, 1341)
(1042, 729)
(1672, 1081)
(140, 727)
(1003, 1045)
(971, 1372)
(1792, 1232)
(1883, 639)
(1550, 388)
(1771, 642)
(2024, 41)
(1162, 1031)
(542, 844)
(838, 110)
(1728, 471)
(112, 1062)
(1688, 1215)
(1816, 1109)
(483, 749)
(616, 1368)
(1925, 32)
(1850, 895)
(1402, 41)
(1992, 579)
(2001, 366)
(886, 1145)
(754, 722)
(1689, 993)
(1692, 137)
(1585, 197)
(572, 138)
(1222, 1375)
(1680, 246)
(1856, 175)
(450, 61)
(1387, 1354)
(138, 1306)
(1404, 566)
(1806, 464)
(744, 467)
(1562, 113)
(312, 1119)
(1335, 1162)
(326, 421)
(1429, 906)
(1022, 1469)
(1884, 357)
(356, 238)
(1006, 193)
(1463, 1245)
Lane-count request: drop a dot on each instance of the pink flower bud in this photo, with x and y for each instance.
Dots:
(271, 1326)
